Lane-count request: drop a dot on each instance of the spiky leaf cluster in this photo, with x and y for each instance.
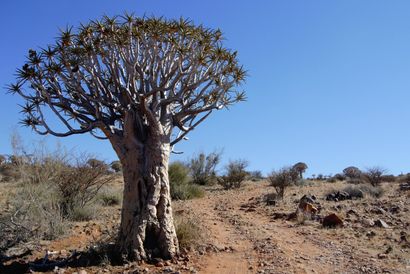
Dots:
(151, 71)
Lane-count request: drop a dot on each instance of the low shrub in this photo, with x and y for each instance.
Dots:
(389, 178)
(235, 174)
(282, 179)
(109, 198)
(181, 186)
(357, 191)
(83, 213)
(255, 175)
(374, 175)
(189, 231)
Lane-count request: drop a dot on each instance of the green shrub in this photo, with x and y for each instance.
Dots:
(181, 186)
(82, 213)
(109, 198)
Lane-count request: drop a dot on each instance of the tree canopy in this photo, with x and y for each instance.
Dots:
(150, 71)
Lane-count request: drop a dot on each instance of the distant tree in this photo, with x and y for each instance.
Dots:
(352, 172)
(116, 166)
(133, 81)
(300, 168)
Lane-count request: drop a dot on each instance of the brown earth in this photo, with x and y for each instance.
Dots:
(246, 235)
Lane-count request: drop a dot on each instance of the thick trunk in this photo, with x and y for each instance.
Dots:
(147, 228)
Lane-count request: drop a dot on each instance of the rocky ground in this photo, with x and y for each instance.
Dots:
(247, 234)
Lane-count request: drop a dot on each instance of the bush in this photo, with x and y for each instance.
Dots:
(255, 175)
(78, 185)
(389, 178)
(189, 231)
(181, 186)
(82, 214)
(339, 177)
(282, 179)
(374, 175)
(203, 168)
(109, 198)
(357, 191)
(235, 174)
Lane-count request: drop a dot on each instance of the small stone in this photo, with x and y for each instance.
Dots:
(382, 256)
(370, 233)
(368, 222)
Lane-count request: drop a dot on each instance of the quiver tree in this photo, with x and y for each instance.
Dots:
(300, 168)
(143, 84)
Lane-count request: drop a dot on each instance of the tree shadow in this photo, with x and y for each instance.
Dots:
(93, 257)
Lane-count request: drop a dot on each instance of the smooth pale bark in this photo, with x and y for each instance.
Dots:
(147, 227)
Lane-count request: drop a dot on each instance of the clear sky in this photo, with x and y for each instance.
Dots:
(329, 81)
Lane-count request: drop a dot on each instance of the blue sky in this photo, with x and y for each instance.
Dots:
(328, 80)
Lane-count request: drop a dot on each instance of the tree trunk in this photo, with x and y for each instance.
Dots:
(147, 228)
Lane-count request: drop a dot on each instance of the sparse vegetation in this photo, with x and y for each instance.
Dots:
(203, 168)
(235, 174)
(374, 175)
(282, 179)
(51, 190)
(109, 198)
(189, 231)
(181, 186)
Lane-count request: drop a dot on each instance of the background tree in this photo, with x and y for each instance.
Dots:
(132, 81)
(116, 166)
(300, 168)
(352, 172)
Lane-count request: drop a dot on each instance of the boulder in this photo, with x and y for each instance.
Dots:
(332, 220)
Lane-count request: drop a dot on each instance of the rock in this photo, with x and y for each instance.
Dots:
(368, 222)
(378, 210)
(338, 196)
(279, 215)
(382, 256)
(381, 223)
(308, 206)
(405, 186)
(352, 212)
(332, 220)
(370, 234)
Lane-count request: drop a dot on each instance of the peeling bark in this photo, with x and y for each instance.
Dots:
(147, 228)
